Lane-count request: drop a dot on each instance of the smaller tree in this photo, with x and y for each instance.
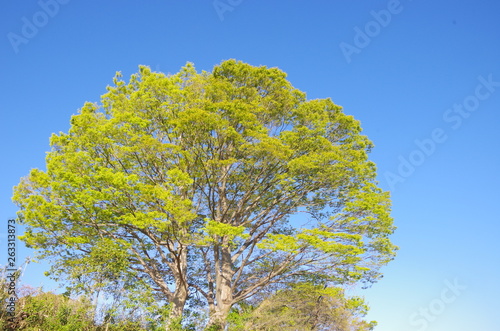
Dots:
(303, 306)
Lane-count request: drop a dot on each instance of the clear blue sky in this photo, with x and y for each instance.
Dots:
(422, 76)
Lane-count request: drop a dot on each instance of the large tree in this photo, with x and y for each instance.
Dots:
(191, 183)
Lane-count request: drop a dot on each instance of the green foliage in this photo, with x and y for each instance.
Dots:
(49, 311)
(214, 229)
(37, 310)
(186, 183)
(240, 316)
(303, 306)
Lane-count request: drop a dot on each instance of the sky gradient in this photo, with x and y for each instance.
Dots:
(422, 76)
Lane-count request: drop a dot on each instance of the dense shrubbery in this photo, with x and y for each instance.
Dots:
(46, 311)
(299, 307)
(37, 310)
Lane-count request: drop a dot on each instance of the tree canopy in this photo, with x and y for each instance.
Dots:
(303, 306)
(208, 187)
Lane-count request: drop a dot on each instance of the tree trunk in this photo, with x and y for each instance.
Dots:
(218, 317)
(181, 293)
(177, 306)
(224, 290)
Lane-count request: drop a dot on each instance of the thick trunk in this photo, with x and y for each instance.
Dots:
(224, 289)
(223, 267)
(181, 293)
(218, 317)
(177, 307)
